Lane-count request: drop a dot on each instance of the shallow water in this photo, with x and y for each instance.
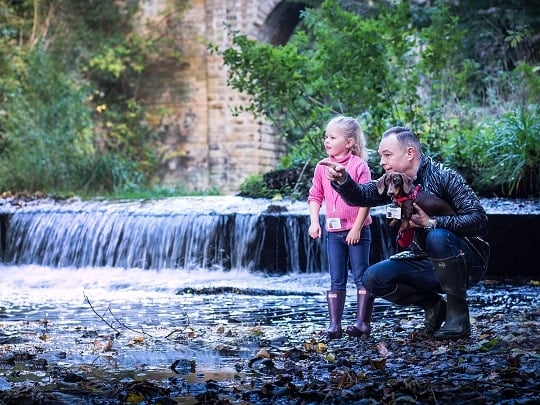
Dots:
(147, 303)
(213, 317)
(133, 323)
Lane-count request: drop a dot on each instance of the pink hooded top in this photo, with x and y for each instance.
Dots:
(321, 190)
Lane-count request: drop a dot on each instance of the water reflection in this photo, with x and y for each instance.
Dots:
(61, 309)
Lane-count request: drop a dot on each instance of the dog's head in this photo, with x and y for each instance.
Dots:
(395, 184)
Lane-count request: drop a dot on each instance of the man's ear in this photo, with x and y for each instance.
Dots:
(407, 183)
(411, 153)
(381, 184)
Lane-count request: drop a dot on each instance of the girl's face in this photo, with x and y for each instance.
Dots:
(336, 143)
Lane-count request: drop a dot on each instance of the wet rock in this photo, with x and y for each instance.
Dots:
(274, 209)
(183, 366)
(5, 384)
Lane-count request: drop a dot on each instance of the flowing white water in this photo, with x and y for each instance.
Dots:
(32, 286)
(72, 305)
(187, 233)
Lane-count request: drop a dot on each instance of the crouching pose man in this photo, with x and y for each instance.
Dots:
(448, 253)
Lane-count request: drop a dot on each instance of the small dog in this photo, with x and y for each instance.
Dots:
(400, 187)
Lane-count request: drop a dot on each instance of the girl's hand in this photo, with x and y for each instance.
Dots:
(353, 237)
(315, 231)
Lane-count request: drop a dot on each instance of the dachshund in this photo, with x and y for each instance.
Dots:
(400, 187)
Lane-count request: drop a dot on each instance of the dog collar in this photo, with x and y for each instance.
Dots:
(411, 196)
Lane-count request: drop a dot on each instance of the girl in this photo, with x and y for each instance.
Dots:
(348, 231)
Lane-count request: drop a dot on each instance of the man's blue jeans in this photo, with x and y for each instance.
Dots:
(342, 256)
(381, 278)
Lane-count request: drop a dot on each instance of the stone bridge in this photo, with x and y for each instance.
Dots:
(204, 145)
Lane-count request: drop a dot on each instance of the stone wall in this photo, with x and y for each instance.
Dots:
(204, 145)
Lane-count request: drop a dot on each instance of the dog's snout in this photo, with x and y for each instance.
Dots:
(393, 185)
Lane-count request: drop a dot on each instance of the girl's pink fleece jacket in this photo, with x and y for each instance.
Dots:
(321, 190)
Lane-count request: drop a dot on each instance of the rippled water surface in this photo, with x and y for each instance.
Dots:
(167, 315)
(139, 323)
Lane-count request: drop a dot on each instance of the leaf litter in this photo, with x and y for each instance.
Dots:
(283, 364)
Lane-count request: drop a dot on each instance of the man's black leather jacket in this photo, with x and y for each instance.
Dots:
(470, 221)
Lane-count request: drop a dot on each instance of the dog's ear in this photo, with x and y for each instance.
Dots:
(407, 183)
(381, 184)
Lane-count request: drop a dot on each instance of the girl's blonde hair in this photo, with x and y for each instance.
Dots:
(351, 129)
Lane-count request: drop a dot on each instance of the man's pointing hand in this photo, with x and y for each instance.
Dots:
(335, 171)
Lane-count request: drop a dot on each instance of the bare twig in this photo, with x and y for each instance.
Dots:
(300, 175)
(110, 325)
(127, 327)
(179, 330)
(115, 318)
(123, 325)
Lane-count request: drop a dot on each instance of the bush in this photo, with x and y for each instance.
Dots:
(515, 153)
(71, 118)
(292, 182)
(254, 187)
(46, 129)
(500, 157)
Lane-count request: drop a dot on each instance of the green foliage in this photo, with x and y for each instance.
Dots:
(112, 173)
(466, 152)
(370, 67)
(525, 84)
(395, 64)
(515, 152)
(157, 192)
(72, 119)
(501, 157)
(45, 128)
(300, 85)
(293, 181)
(254, 187)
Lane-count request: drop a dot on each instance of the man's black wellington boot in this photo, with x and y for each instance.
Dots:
(452, 274)
(432, 303)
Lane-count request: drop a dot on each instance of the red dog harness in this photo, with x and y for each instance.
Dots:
(406, 236)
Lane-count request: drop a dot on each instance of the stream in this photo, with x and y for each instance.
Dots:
(196, 287)
(215, 318)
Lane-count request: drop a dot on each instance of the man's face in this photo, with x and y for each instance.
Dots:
(394, 156)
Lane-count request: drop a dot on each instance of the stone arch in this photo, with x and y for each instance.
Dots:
(204, 145)
(281, 22)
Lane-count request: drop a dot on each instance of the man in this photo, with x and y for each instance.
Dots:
(448, 253)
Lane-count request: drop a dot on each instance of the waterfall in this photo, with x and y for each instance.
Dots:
(174, 233)
(188, 233)
(219, 233)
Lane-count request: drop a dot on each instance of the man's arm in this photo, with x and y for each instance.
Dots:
(355, 194)
(471, 218)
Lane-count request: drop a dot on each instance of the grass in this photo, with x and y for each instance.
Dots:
(140, 194)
